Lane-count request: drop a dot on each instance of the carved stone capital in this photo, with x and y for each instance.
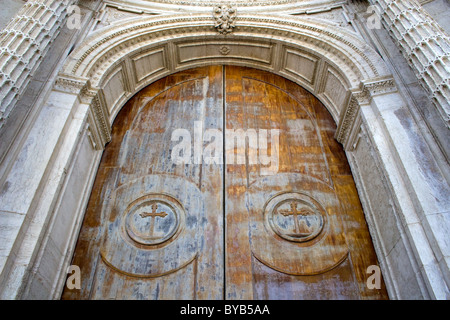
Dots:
(380, 86)
(100, 113)
(359, 97)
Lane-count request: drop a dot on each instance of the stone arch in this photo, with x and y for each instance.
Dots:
(129, 55)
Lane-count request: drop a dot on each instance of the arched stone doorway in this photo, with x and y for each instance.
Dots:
(342, 71)
(214, 226)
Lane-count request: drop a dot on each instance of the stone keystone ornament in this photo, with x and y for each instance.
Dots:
(224, 16)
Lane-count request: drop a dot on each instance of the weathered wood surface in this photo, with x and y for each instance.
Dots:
(155, 230)
(266, 256)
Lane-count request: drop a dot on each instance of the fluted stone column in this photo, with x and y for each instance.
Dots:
(23, 43)
(425, 46)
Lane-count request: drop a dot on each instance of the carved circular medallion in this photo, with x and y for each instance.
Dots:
(295, 216)
(154, 219)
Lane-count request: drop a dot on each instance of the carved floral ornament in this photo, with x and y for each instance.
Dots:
(224, 16)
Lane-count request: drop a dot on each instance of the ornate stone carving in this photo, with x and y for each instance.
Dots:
(26, 35)
(380, 87)
(311, 34)
(349, 116)
(70, 84)
(368, 89)
(153, 221)
(210, 3)
(101, 120)
(425, 46)
(225, 50)
(91, 60)
(294, 218)
(224, 16)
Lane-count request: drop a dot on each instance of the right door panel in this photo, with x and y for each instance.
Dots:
(294, 224)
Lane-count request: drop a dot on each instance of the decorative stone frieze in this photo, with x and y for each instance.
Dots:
(379, 87)
(209, 3)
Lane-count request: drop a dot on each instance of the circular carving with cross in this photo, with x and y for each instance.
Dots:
(154, 220)
(295, 216)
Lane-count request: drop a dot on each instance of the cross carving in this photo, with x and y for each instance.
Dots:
(153, 216)
(295, 212)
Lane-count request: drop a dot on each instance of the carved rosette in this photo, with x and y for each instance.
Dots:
(224, 16)
(295, 217)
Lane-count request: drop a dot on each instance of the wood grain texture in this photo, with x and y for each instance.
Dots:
(201, 232)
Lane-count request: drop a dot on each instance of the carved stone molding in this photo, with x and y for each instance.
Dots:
(97, 58)
(348, 118)
(342, 46)
(225, 17)
(70, 84)
(101, 120)
(99, 126)
(379, 87)
(361, 96)
(209, 3)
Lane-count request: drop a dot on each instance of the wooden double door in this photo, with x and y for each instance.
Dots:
(224, 183)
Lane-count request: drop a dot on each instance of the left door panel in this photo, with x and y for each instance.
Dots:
(154, 224)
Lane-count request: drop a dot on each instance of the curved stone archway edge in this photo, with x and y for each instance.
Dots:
(384, 147)
(311, 54)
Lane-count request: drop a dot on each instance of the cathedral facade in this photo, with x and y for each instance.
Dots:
(354, 93)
